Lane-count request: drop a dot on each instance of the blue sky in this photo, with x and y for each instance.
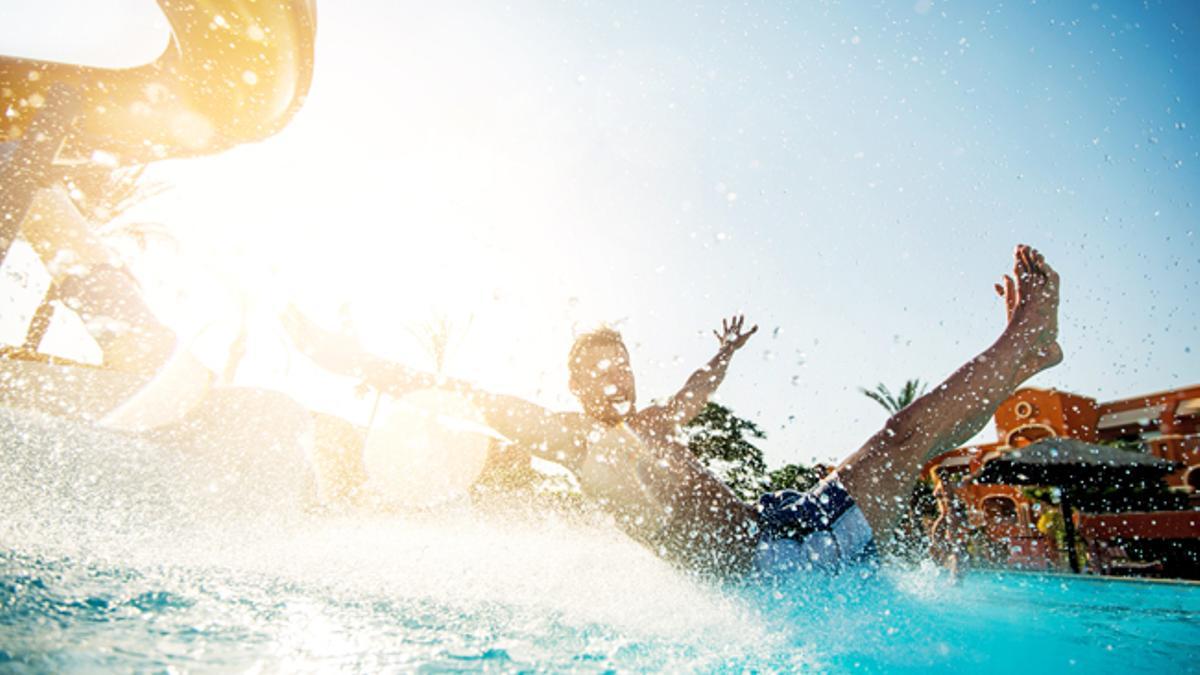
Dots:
(852, 176)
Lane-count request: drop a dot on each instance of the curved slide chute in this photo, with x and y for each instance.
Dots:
(235, 71)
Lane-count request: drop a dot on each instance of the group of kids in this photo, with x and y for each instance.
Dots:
(634, 462)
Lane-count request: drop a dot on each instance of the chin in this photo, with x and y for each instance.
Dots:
(607, 416)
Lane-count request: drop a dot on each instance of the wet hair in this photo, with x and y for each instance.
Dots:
(603, 335)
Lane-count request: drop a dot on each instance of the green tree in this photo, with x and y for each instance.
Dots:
(795, 477)
(908, 393)
(722, 442)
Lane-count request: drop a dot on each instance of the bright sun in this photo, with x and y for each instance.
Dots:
(406, 193)
(382, 244)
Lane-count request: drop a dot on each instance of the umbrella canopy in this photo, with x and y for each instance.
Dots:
(1073, 467)
(1068, 463)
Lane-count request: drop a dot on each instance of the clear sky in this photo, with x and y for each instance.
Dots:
(852, 176)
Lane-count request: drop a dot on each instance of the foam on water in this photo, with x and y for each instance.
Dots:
(116, 552)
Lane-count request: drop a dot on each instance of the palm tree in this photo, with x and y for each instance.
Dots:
(908, 393)
(436, 336)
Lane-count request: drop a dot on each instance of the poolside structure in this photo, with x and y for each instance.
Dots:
(1073, 468)
(1151, 533)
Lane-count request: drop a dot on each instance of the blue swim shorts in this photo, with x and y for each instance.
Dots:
(819, 530)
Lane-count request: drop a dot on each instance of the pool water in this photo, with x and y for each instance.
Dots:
(119, 555)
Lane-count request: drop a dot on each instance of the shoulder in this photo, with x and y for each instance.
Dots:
(651, 414)
(658, 417)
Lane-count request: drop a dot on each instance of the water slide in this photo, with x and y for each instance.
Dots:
(233, 72)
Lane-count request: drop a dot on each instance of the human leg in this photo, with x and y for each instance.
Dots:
(881, 473)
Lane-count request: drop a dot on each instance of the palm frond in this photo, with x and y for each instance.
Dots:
(909, 392)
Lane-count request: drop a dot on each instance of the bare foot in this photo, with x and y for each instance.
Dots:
(1031, 305)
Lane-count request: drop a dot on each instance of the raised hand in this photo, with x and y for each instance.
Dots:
(731, 336)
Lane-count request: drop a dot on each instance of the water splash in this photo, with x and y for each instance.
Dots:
(124, 554)
(103, 528)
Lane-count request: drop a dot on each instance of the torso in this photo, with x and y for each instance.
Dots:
(641, 472)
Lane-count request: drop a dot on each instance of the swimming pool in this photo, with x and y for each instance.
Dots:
(114, 555)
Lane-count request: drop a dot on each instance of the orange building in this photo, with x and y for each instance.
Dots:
(1166, 424)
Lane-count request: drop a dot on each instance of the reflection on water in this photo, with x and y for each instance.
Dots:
(120, 554)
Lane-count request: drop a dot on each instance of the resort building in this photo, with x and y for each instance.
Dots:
(1160, 534)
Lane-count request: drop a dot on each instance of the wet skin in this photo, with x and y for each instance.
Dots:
(881, 473)
(635, 463)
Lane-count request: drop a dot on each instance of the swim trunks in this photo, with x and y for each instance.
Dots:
(819, 530)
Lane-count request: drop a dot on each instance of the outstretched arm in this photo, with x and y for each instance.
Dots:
(342, 354)
(691, 399)
(549, 435)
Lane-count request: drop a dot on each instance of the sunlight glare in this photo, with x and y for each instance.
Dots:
(378, 230)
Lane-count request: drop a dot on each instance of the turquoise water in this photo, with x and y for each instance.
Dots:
(118, 555)
(67, 614)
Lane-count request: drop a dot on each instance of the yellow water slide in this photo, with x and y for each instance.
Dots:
(235, 71)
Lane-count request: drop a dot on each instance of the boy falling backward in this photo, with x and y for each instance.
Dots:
(635, 463)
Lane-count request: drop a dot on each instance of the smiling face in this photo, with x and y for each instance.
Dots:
(602, 380)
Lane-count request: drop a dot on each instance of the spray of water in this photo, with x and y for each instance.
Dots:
(198, 549)
(201, 528)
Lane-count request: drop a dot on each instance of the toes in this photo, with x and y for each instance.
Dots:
(1039, 262)
(1044, 267)
(1022, 260)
